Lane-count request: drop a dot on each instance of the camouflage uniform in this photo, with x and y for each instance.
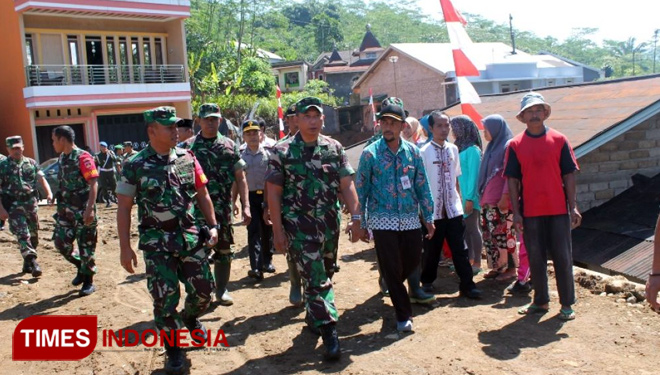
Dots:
(71, 204)
(164, 188)
(18, 186)
(310, 178)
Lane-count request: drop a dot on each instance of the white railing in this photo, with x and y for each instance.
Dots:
(64, 75)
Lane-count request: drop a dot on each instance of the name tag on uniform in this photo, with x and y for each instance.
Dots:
(405, 182)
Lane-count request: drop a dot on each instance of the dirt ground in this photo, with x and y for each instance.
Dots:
(267, 335)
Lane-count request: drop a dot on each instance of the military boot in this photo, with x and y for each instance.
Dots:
(88, 286)
(330, 342)
(176, 360)
(79, 276)
(33, 266)
(192, 323)
(27, 266)
(221, 271)
(416, 293)
(295, 294)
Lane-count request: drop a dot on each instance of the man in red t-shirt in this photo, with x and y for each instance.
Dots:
(541, 165)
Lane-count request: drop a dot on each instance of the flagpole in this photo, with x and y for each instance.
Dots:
(280, 114)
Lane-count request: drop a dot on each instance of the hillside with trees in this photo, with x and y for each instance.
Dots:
(223, 37)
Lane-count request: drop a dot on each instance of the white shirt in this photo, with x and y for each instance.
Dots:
(443, 167)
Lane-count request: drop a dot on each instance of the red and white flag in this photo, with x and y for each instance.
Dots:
(280, 114)
(463, 66)
(373, 108)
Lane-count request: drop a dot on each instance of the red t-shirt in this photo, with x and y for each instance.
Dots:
(87, 166)
(539, 162)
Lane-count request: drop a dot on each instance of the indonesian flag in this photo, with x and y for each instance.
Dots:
(463, 66)
(373, 108)
(280, 114)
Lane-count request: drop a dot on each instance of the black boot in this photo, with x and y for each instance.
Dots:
(193, 324)
(88, 286)
(36, 270)
(27, 266)
(79, 276)
(221, 271)
(330, 342)
(176, 360)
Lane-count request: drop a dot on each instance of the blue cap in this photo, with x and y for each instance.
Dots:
(103, 144)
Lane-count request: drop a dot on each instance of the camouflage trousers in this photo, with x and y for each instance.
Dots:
(223, 251)
(164, 271)
(316, 264)
(24, 224)
(70, 228)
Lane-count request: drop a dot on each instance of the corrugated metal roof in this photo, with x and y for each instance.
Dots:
(581, 111)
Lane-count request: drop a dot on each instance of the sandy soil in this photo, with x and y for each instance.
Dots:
(267, 335)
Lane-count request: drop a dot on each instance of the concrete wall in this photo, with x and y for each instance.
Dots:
(607, 171)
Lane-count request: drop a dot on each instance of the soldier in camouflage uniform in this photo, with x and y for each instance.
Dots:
(129, 152)
(166, 182)
(75, 219)
(19, 176)
(221, 161)
(305, 175)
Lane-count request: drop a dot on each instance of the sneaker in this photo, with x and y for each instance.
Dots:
(518, 287)
(473, 293)
(428, 288)
(404, 326)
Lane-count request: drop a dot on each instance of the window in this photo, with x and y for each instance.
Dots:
(147, 52)
(569, 81)
(291, 79)
(159, 51)
(74, 56)
(371, 55)
(29, 49)
(135, 51)
(321, 77)
(551, 82)
(505, 87)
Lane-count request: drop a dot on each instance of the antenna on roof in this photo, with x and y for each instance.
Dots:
(513, 38)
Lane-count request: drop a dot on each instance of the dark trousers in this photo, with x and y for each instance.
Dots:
(398, 253)
(107, 186)
(259, 234)
(551, 235)
(454, 231)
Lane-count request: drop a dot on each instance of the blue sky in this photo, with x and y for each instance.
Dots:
(557, 18)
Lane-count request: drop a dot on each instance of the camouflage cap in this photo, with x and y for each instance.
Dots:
(14, 141)
(392, 107)
(209, 110)
(304, 104)
(250, 125)
(162, 115)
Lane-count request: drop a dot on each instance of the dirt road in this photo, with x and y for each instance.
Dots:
(266, 335)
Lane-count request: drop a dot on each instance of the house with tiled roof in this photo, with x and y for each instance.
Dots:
(341, 69)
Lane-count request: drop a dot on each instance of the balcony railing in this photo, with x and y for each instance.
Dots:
(64, 75)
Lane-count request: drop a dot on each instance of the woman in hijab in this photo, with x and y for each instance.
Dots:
(413, 132)
(468, 141)
(497, 218)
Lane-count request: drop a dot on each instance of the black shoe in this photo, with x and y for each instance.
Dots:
(176, 360)
(330, 342)
(473, 293)
(27, 266)
(78, 279)
(269, 268)
(257, 275)
(107, 204)
(88, 286)
(193, 324)
(36, 270)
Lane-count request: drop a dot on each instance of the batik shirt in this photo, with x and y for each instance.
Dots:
(443, 166)
(392, 187)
